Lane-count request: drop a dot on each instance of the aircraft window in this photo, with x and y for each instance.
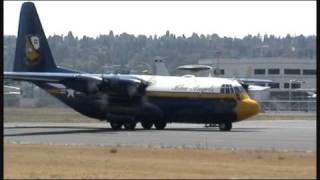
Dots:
(231, 89)
(227, 91)
(241, 89)
(236, 90)
(223, 89)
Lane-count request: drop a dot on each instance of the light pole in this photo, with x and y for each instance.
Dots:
(290, 85)
(290, 88)
(290, 82)
(218, 53)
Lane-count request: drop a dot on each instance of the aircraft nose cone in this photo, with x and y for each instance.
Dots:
(247, 108)
(254, 108)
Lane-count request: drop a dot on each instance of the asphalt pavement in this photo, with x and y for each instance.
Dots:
(297, 135)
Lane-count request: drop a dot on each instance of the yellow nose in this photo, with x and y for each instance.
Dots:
(247, 108)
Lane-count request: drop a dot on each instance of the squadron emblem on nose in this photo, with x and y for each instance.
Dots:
(32, 50)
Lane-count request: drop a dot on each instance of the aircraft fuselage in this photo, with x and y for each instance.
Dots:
(176, 99)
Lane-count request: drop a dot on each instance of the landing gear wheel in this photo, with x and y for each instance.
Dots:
(130, 125)
(225, 126)
(146, 124)
(115, 125)
(160, 125)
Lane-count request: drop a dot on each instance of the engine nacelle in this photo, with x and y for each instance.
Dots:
(125, 86)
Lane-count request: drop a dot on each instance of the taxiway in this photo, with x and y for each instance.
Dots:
(263, 134)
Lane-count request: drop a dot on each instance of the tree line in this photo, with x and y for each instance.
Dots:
(91, 54)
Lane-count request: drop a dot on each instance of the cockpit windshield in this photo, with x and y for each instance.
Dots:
(229, 89)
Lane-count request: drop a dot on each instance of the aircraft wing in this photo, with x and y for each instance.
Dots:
(257, 88)
(246, 83)
(84, 82)
(48, 77)
(249, 80)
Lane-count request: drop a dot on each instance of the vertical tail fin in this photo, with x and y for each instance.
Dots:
(32, 50)
(160, 68)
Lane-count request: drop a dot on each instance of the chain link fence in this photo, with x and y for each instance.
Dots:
(287, 105)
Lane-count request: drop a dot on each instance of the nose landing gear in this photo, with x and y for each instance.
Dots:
(225, 126)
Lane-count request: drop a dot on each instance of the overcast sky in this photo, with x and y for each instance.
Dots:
(225, 18)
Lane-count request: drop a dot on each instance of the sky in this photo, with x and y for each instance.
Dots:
(225, 18)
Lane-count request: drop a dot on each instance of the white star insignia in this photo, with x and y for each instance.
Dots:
(70, 93)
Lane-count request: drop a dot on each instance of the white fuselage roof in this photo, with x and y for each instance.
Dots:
(186, 84)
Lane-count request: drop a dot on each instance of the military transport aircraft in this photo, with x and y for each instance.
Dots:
(125, 100)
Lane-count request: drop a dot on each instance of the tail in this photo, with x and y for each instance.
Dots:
(160, 68)
(32, 49)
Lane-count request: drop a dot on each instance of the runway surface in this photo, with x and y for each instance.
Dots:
(263, 134)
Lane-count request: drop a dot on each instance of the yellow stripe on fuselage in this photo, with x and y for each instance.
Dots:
(194, 95)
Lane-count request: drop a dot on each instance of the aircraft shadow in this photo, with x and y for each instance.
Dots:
(53, 127)
(216, 130)
(92, 130)
(84, 129)
(77, 130)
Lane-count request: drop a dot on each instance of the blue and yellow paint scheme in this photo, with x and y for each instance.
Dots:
(105, 96)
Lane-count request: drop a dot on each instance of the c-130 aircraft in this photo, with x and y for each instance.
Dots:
(125, 100)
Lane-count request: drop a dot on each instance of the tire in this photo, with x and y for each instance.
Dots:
(130, 125)
(225, 126)
(160, 124)
(116, 125)
(146, 124)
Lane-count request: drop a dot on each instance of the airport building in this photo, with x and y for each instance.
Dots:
(294, 84)
(288, 73)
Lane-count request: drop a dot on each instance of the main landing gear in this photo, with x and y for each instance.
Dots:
(160, 125)
(127, 125)
(116, 125)
(131, 125)
(146, 124)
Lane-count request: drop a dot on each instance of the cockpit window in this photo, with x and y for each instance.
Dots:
(241, 89)
(237, 90)
(229, 89)
(223, 89)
